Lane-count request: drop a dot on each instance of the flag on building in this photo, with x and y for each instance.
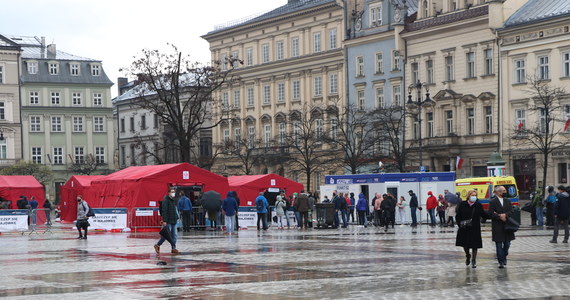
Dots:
(520, 126)
(567, 124)
(458, 162)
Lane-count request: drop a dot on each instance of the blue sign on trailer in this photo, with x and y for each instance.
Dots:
(390, 177)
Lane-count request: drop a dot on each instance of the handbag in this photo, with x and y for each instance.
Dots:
(511, 225)
(467, 223)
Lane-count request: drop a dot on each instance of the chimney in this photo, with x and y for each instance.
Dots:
(43, 47)
(121, 82)
(51, 51)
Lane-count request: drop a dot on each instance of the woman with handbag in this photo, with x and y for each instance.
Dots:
(468, 217)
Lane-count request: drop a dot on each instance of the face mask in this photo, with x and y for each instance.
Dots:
(473, 198)
(78, 200)
(172, 195)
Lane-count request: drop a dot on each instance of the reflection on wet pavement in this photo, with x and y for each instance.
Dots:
(353, 263)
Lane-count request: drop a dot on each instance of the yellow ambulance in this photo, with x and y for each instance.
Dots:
(484, 187)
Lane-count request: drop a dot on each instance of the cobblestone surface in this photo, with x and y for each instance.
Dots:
(352, 263)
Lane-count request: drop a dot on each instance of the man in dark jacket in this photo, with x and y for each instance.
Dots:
(185, 210)
(387, 206)
(413, 207)
(561, 213)
(22, 203)
(302, 206)
(169, 218)
(500, 209)
(336, 201)
(229, 207)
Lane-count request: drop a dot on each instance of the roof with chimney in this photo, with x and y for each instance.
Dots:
(539, 10)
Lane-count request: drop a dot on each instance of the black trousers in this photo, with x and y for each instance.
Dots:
(263, 218)
(186, 219)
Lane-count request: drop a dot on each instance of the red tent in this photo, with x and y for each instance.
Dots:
(76, 185)
(248, 187)
(12, 187)
(145, 186)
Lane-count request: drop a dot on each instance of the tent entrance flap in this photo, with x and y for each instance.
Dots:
(193, 191)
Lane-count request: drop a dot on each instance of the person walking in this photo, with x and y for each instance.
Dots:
(351, 207)
(550, 201)
(169, 215)
(431, 204)
(82, 218)
(280, 207)
(538, 205)
(361, 209)
(441, 207)
(47, 206)
(469, 214)
(500, 209)
(402, 210)
(261, 206)
(229, 207)
(185, 210)
(452, 202)
(561, 213)
(302, 206)
(413, 207)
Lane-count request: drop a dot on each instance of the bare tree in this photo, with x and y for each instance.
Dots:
(389, 125)
(181, 93)
(544, 137)
(244, 151)
(86, 166)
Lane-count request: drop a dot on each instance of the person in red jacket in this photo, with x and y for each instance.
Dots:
(431, 204)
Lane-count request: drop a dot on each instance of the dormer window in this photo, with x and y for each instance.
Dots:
(53, 68)
(32, 67)
(74, 69)
(375, 14)
(95, 70)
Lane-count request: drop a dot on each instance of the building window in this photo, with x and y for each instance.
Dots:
(470, 58)
(2, 111)
(520, 120)
(95, 70)
(79, 155)
(155, 121)
(430, 132)
(333, 83)
(237, 136)
(122, 125)
(332, 38)
(361, 100)
(397, 95)
(316, 42)
(56, 124)
(249, 57)
(97, 99)
(319, 129)
(124, 154)
(543, 69)
(488, 119)
(520, 73)
(429, 71)
(37, 155)
(282, 133)
(449, 121)
(225, 100)
(416, 127)
(57, 155)
(380, 97)
(132, 124)
(281, 92)
(265, 53)
(224, 62)
(237, 99)
(76, 98)
(35, 124)
(133, 156)
(226, 135)
(251, 135)
(280, 50)
(266, 94)
(53, 68)
(296, 131)
(32, 67)
(235, 60)
(55, 100)
(34, 98)
(296, 89)
(143, 122)
(334, 129)
(395, 60)
(100, 154)
(379, 63)
(267, 135)
(295, 47)
(415, 72)
(449, 74)
(359, 66)
(1, 74)
(375, 14)
(470, 121)
(318, 87)
(99, 124)
(488, 61)
(542, 120)
(566, 117)
(250, 97)
(77, 124)
(563, 173)
(74, 69)
(566, 64)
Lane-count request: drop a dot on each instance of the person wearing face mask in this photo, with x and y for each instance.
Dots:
(469, 237)
(500, 209)
(169, 216)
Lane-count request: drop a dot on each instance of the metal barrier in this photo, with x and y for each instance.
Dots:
(149, 219)
(26, 220)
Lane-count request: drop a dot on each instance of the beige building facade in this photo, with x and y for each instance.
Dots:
(10, 122)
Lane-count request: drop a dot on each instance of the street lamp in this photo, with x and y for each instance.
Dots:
(419, 103)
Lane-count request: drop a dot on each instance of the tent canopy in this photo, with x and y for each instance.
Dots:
(145, 186)
(76, 185)
(248, 187)
(14, 186)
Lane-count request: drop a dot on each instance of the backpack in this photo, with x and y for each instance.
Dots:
(90, 212)
(259, 204)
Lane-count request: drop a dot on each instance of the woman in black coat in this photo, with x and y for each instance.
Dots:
(469, 237)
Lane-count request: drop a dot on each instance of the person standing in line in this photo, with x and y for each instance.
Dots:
(376, 203)
(386, 207)
(550, 201)
(280, 210)
(33, 203)
(169, 216)
(441, 207)
(352, 204)
(469, 237)
(47, 207)
(294, 208)
(185, 210)
(22, 203)
(336, 199)
(538, 204)
(312, 202)
(402, 210)
(302, 206)
(500, 209)
(561, 213)
(452, 202)
(361, 209)
(344, 209)
(431, 204)
(235, 195)
(413, 207)
(82, 218)
(287, 209)
(261, 206)
(229, 207)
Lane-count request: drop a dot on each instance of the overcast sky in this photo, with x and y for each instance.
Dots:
(116, 30)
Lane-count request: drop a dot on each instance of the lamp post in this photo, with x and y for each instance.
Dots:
(419, 103)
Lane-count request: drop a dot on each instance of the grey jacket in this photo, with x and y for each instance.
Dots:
(82, 209)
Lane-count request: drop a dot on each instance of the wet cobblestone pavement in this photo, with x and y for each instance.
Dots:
(352, 263)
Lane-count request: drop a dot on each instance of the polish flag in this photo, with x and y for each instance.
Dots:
(520, 126)
(567, 124)
(458, 162)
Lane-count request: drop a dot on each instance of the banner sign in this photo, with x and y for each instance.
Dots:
(145, 212)
(109, 218)
(13, 220)
(247, 216)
